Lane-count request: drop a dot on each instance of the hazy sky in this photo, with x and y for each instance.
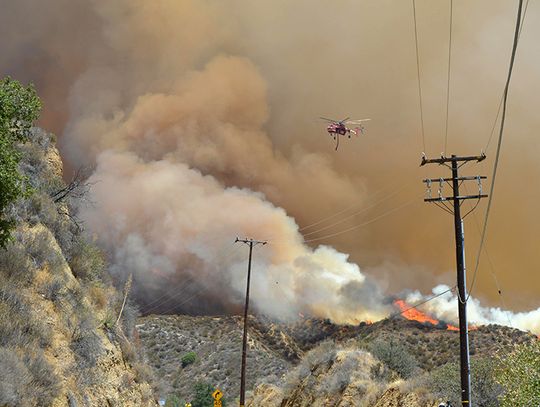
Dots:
(234, 91)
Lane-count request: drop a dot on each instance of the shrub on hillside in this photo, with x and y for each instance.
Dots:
(15, 265)
(203, 396)
(14, 379)
(18, 325)
(341, 377)
(519, 374)
(40, 248)
(26, 380)
(86, 260)
(189, 358)
(174, 401)
(52, 290)
(444, 382)
(45, 383)
(324, 354)
(85, 343)
(395, 357)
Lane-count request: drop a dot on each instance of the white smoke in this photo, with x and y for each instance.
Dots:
(444, 307)
(164, 221)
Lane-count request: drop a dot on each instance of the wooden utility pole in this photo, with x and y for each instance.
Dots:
(456, 199)
(250, 243)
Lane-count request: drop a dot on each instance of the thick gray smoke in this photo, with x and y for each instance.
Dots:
(180, 152)
(199, 116)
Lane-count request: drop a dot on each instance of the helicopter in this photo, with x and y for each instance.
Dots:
(338, 128)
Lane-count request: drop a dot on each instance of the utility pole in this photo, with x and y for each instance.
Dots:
(250, 243)
(456, 199)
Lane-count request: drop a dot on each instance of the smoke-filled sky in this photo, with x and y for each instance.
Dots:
(202, 120)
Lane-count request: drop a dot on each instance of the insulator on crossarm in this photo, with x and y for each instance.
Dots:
(479, 180)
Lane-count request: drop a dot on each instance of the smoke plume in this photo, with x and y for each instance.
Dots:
(201, 120)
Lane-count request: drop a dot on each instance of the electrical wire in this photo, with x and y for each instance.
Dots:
(502, 95)
(499, 144)
(343, 210)
(448, 79)
(166, 298)
(358, 212)
(491, 266)
(415, 200)
(421, 303)
(418, 76)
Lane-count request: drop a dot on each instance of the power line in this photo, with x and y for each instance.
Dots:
(346, 209)
(357, 213)
(502, 95)
(499, 144)
(421, 303)
(418, 76)
(491, 266)
(364, 223)
(448, 79)
(163, 299)
(194, 283)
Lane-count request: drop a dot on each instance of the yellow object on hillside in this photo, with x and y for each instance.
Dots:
(217, 395)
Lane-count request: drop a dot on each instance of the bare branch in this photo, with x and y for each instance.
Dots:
(78, 187)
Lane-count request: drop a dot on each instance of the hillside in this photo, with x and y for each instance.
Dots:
(336, 376)
(217, 342)
(430, 345)
(277, 350)
(59, 345)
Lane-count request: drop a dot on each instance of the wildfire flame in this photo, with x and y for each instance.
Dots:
(416, 315)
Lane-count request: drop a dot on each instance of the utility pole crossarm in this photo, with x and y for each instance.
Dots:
(251, 241)
(443, 159)
(469, 178)
(451, 198)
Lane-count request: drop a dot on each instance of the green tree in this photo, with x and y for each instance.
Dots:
(19, 108)
(203, 396)
(519, 374)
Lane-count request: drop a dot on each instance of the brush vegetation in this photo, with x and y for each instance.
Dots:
(391, 362)
(55, 291)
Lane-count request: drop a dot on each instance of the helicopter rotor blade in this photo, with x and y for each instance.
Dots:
(328, 120)
(344, 120)
(357, 121)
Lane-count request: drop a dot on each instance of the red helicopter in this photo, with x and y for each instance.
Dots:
(338, 128)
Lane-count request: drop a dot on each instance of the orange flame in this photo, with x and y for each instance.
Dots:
(415, 315)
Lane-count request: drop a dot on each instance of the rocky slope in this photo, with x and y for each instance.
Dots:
(217, 343)
(279, 353)
(333, 376)
(59, 345)
(431, 345)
